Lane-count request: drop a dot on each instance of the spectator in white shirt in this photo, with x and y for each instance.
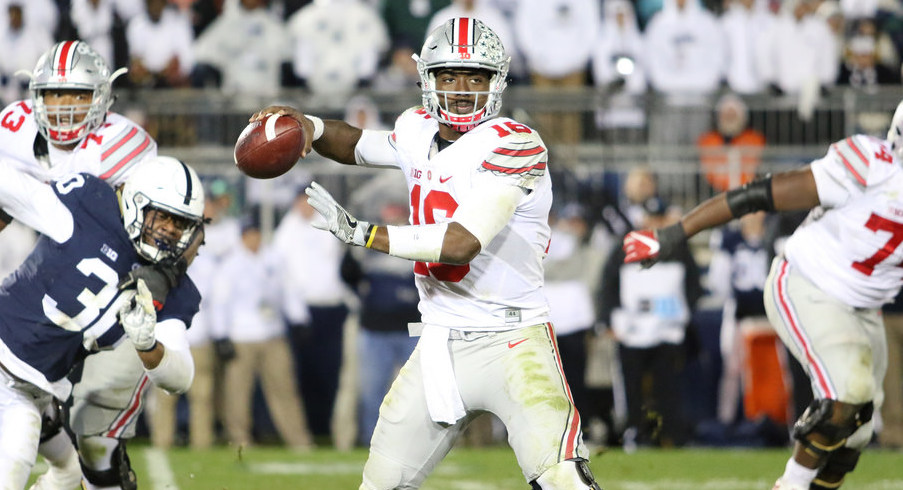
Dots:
(743, 23)
(23, 43)
(556, 39)
(617, 63)
(248, 298)
(38, 14)
(246, 48)
(798, 51)
(685, 63)
(93, 20)
(160, 42)
(312, 259)
(337, 44)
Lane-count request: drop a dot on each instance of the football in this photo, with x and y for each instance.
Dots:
(269, 147)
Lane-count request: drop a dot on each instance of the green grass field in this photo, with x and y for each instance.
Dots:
(268, 468)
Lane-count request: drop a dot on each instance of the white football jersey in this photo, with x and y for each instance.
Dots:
(109, 152)
(502, 287)
(849, 246)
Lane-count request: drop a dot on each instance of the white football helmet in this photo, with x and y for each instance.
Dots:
(71, 65)
(168, 185)
(895, 132)
(462, 42)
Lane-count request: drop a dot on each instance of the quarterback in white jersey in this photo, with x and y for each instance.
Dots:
(824, 295)
(66, 128)
(480, 196)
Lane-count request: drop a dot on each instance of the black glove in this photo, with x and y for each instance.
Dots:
(224, 349)
(159, 278)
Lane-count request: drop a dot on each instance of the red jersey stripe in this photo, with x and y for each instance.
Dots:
(858, 152)
(536, 150)
(509, 170)
(849, 166)
(119, 144)
(128, 158)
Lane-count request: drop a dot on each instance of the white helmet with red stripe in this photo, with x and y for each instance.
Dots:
(71, 65)
(462, 42)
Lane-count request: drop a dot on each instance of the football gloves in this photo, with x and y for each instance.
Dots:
(139, 319)
(338, 221)
(162, 276)
(650, 246)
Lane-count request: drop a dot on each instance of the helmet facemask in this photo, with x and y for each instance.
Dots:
(462, 43)
(158, 240)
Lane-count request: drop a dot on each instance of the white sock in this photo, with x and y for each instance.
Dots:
(797, 474)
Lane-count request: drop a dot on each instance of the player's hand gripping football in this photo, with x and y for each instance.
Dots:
(139, 319)
(338, 221)
(650, 246)
(284, 110)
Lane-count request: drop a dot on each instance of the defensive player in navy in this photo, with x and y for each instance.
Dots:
(66, 302)
(480, 198)
(824, 294)
(66, 127)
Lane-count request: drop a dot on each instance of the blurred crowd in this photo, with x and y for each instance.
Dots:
(675, 47)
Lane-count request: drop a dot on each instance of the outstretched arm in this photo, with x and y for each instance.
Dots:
(787, 191)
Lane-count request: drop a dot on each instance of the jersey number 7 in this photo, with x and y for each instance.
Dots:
(435, 201)
(876, 223)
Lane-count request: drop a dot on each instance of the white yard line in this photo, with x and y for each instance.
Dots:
(158, 470)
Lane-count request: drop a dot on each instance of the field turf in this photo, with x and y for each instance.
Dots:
(271, 468)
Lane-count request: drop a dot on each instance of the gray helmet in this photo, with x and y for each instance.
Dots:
(71, 65)
(462, 42)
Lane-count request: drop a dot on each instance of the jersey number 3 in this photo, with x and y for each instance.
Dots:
(432, 202)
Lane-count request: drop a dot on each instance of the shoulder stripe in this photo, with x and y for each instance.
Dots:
(526, 152)
(853, 159)
(124, 153)
(541, 166)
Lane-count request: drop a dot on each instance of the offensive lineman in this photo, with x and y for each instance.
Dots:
(65, 302)
(824, 295)
(65, 128)
(480, 198)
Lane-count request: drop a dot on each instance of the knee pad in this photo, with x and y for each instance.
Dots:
(825, 425)
(112, 469)
(382, 473)
(573, 473)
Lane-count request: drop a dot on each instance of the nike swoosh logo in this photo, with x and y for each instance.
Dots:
(446, 179)
(350, 222)
(512, 345)
(649, 242)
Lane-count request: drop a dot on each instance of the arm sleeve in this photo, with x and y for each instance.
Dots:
(376, 149)
(488, 209)
(35, 204)
(609, 292)
(176, 370)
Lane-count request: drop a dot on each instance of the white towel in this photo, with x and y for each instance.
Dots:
(439, 385)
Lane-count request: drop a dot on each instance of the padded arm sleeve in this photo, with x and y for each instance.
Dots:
(176, 370)
(488, 210)
(34, 204)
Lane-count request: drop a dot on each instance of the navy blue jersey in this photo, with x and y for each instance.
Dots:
(62, 303)
(748, 270)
